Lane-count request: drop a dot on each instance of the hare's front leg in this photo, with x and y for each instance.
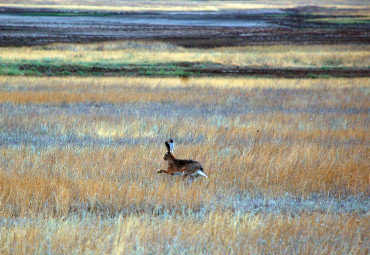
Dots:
(184, 175)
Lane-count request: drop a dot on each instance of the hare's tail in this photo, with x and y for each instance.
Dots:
(200, 172)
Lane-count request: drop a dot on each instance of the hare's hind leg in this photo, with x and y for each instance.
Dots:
(162, 171)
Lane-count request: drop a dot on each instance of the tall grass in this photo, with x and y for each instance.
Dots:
(287, 161)
(217, 233)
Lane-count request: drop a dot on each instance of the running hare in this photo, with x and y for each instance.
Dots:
(181, 167)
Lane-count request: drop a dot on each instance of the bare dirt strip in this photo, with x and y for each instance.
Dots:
(30, 26)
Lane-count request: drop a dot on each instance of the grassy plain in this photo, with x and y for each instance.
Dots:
(39, 60)
(130, 52)
(287, 161)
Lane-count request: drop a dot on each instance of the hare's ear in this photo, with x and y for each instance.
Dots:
(168, 146)
(171, 146)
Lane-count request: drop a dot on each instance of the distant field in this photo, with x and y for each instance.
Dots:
(129, 58)
(361, 20)
(187, 5)
(287, 161)
(190, 24)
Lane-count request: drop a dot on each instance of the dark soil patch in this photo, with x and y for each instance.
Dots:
(27, 26)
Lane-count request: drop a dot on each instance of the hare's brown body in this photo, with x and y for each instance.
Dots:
(181, 167)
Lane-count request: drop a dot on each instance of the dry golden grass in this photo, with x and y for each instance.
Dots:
(218, 233)
(127, 52)
(25, 90)
(287, 161)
